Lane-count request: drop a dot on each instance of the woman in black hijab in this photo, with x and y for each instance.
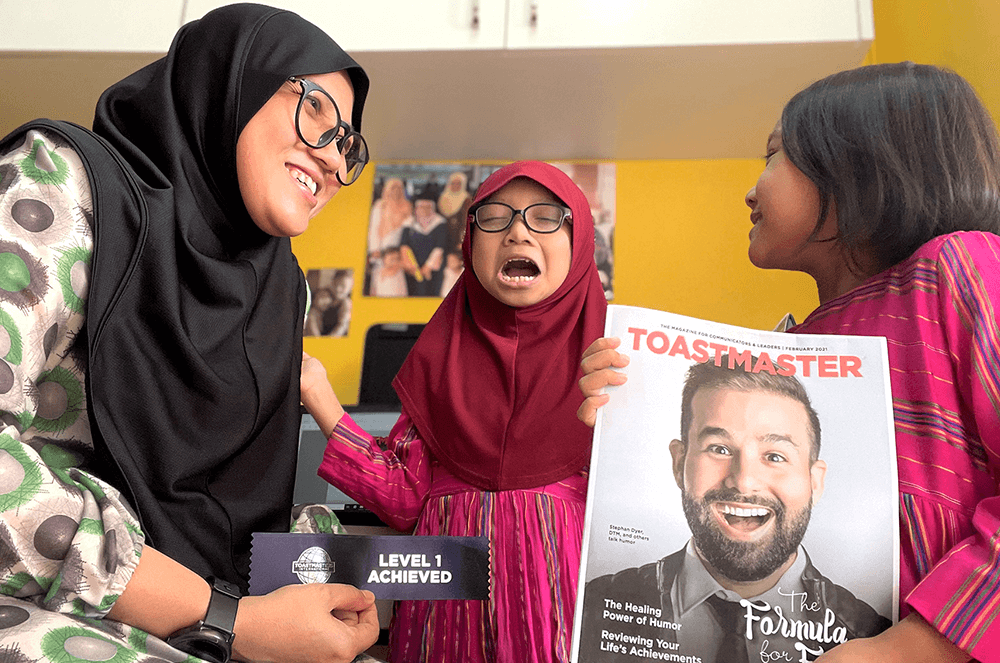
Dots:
(153, 429)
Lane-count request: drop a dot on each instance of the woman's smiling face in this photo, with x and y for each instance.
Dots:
(517, 266)
(283, 181)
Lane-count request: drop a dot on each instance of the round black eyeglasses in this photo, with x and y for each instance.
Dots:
(318, 123)
(542, 218)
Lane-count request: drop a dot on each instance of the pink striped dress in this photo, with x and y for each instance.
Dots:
(535, 539)
(938, 310)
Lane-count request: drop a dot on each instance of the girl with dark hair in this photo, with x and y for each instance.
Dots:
(151, 314)
(899, 153)
(488, 443)
(883, 184)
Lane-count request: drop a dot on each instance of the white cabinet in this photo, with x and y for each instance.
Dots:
(115, 26)
(613, 79)
(657, 23)
(395, 25)
(147, 26)
(440, 25)
(492, 79)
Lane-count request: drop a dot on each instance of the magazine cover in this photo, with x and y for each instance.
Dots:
(742, 501)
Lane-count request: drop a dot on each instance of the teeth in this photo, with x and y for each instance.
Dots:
(303, 179)
(517, 279)
(519, 265)
(742, 512)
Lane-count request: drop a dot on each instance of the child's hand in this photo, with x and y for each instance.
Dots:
(912, 640)
(599, 363)
(313, 376)
(317, 394)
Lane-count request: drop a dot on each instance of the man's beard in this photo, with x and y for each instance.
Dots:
(742, 561)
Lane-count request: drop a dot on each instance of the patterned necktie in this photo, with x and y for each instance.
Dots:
(729, 614)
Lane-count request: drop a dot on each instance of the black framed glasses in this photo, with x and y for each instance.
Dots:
(542, 218)
(318, 123)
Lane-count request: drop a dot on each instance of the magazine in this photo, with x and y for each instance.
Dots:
(742, 502)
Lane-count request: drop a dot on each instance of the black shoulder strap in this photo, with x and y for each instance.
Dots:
(120, 225)
(118, 203)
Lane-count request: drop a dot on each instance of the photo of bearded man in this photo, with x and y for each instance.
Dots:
(748, 466)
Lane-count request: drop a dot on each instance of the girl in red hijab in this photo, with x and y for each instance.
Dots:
(488, 443)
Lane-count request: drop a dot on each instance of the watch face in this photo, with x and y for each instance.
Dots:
(203, 642)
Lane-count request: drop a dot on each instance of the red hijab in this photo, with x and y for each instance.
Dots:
(493, 389)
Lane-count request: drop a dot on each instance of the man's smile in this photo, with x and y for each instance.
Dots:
(741, 521)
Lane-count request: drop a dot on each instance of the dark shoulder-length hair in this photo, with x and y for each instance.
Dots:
(907, 152)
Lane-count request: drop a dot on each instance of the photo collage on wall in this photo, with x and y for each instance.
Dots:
(330, 302)
(418, 218)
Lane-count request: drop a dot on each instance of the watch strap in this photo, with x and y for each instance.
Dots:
(211, 639)
(222, 605)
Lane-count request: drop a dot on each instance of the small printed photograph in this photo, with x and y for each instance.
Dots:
(329, 311)
(418, 221)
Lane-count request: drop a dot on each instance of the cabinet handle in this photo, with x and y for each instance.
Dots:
(533, 19)
(475, 14)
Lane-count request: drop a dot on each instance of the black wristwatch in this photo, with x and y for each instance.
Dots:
(211, 639)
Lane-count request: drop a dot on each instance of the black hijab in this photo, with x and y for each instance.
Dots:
(194, 318)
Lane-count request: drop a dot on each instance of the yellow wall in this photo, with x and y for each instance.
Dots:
(680, 245)
(963, 35)
(681, 235)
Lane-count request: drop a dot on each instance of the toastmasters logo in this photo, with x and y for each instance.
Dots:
(806, 362)
(314, 565)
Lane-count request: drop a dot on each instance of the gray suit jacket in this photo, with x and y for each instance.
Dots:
(650, 585)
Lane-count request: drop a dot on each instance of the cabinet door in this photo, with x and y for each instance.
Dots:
(652, 23)
(137, 26)
(395, 25)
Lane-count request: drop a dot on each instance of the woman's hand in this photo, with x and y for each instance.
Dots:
(913, 640)
(325, 623)
(599, 363)
(318, 396)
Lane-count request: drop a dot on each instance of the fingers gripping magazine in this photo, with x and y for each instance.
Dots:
(742, 502)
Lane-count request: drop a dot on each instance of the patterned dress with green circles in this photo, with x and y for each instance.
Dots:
(68, 542)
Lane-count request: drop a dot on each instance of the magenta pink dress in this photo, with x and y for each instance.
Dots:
(938, 310)
(535, 539)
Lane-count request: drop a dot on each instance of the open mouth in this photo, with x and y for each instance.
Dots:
(744, 519)
(303, 179)
(519, 270)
